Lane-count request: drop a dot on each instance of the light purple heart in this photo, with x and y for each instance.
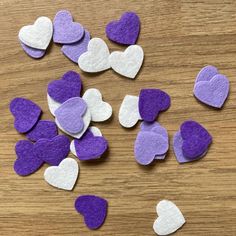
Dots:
(69, 115)
(65, 31)
(33, 52)
(26, 114)
(75, 50)
(213, 92)
(206, 73)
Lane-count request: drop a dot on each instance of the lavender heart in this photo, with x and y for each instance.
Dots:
(26, 114)
(126, 30)
(27, 161)
(206, 73)
(33, 52)
(93, 209)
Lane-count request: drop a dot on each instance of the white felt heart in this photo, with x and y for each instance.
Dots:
(170, 218)
(127, 63)
(37, 35)
(96, 57)
(129, 111)
(52, 104)
(63, 176)
(100, 111)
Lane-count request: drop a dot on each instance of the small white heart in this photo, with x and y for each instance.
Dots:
(129, 111)
(170, 218)
(96, 57)
(37, 35)
(63, 176)
(52, 105)
(127, 63)
(100, 110)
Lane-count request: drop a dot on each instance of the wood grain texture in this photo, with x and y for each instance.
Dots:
(179, 37)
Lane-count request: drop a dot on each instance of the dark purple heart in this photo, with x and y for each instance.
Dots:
(196, 139)
(151, 102)
(90, 147)
(27, 161)
(93, 209)
(54, 150)
(26, 114)
(126, 30)
(68, 86)
(43, 129)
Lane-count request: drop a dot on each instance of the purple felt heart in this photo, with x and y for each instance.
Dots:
(26, 114)
(196, 139)
(33, 52)
(54, 150)
(75, 50)
(43, 129)
(206, 73)
(126, 30)
(93, 209)
(90, 147)
(67, 87)
(69, 115)
(213, 92)
(27, 161)
(65, 31)
(151, 102)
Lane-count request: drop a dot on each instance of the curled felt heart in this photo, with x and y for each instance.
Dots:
(93, 209)
(26, 114)
(206, 73)
(67, 87)
(33, 52)
(151, 102)
(124, 31)
(65, 30)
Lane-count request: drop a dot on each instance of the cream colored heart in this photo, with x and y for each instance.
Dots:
(37, 35)
(52, 104)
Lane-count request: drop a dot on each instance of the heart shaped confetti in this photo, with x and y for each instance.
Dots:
(206, 73)
(63, 176)
(26, 114)
(93, 209)
(52, 105)
(100, 110)
(65, 30)
(126, 30)
(37, 35)
(33, 52)
(96, 57)
(127, 63)
(170, 218)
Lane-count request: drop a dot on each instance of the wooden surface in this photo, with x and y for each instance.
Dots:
(178, 38)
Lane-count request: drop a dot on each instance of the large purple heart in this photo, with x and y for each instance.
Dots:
(151, 102)
(54, 150)
(69, 115)
(67, 87)
(65, 31)
(126, 30)
(213, 92)
(206, 73)
(196, 139)
(27, 161)
(33, 52)
(93, 209)
(26, 114)
(90, 147)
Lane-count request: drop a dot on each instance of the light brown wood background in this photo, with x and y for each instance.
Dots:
(178, 38)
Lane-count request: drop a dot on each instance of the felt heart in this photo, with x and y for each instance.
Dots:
(206, 73)
(26, 114)
(52, 105)
(43, 129)
(129, 112)
(151, 102)
(100, 111)
(196, 139)
(54, 150)
(67, 87)
(63, 176)
(213, 92)
(75, 50)
(96, 57)
(33, 52)
(69, 115)
(148, 145)
(65, 30)
(37, 35)
(170, 218)
(27, 161)
(127, 63)
(124, 31)
(93, 209)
